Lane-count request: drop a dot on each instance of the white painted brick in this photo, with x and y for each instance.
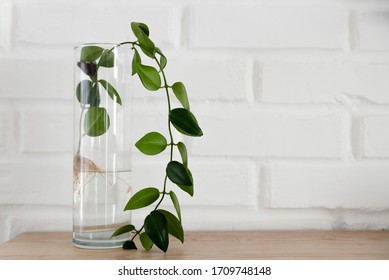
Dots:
(330, 186)
(47, 127)
(4, 224)
(5, 24)
(216, 183)
(28, 218)
(204, 79)
(259, 26)
(376, 136)
(36, 180)
(240, 218)
(211, 79)
(54, 23)
(222, 183)
(8, 128)
(296, 82)
(366, 220)
(36, 78)
(373, 29)
(242, 131)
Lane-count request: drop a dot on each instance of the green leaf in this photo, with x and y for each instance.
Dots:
(111, 91)
(142, 198)
(149, 76)
(135, 60)
(146, 241)
(185, 122)
(141, 26)
(141, 32)
(156, 228)
(173, 225)
(183, 152)
(176, 204)
(91, 53)
(96, 121)
(162, 60)
(185, 188)
(129, 245)
(122, 230)
(152, 143)
(180, 92)
(178, 173)
(83, 90)
(107, 59)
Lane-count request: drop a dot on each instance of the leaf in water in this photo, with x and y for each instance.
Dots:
(176, 204)
(135, 60)
(122, 230)
(149, 76)
(107, 59)
(111, 91)
(174, 225)
(183, 152)
(142, 198)
(146, 241)
(95, 96)
(156, 228)
(185, 122)
(180, 92)
(129, 245)
(91, 53)
(89, 68)
(83, 90)
(96, 121)
(178, 173)
(152, 143)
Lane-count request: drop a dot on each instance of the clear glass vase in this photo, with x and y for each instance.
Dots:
(102, 144)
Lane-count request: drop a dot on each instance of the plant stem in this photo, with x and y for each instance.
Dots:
(171, 141)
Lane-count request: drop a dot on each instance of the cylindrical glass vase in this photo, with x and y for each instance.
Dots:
(102, 144)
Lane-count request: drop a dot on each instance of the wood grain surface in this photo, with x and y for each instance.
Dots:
(283, 245)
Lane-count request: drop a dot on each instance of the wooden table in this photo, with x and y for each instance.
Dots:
(215, 245)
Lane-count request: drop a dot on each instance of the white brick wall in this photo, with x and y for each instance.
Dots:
(292, 97)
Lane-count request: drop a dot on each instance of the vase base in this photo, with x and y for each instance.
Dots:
(98, 244)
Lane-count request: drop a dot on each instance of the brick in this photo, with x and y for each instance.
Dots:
(330, 186)
(296, 82)
(48, 128)
(376, 136)
(241, 218)
(8, 130)
(30, 218)
(222, 183)
(216, 183)
(228, 81)
(263, 26)
(366, 220)
(4, 224)
(36, 180)
(55, 23)
(240, 131)
(212, 79)
(36, 78)
(5, 25)
(373, 27)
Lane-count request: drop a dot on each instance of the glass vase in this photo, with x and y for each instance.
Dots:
(102, 144)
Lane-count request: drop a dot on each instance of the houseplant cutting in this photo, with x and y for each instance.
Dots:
(96, 120)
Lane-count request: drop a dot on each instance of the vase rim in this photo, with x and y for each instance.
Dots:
(96, 44)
